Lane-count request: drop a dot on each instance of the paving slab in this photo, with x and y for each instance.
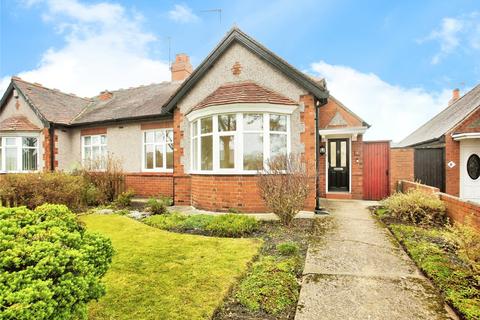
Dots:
(359, 271)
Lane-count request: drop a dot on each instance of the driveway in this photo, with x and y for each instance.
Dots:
(358, 271)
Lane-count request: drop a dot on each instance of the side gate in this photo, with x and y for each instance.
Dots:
(429, 167)
(376, 170)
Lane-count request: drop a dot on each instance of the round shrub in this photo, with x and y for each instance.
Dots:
(417, 207)
(51, 266)
(155, 206)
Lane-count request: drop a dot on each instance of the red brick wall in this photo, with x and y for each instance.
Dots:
(328, 111)
(460, 210)
(470, 124)
(307, 117)
(181, 181)
(408, 185)
(452, 175)
(401, 166)
(457, 209)
(357, 168)
(47, 148)
(150, 184)
(157, 125)
(220, 193)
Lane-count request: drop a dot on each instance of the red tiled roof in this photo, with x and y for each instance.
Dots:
(17, 123)
(243, 92)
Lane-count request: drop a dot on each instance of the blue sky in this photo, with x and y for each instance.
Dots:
(384, 59)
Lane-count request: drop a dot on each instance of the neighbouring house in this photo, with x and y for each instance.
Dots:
(445, 151)
(198, 138)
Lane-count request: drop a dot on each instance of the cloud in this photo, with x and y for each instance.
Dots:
(454, 33)
(393, 111)
(105, 48)
(183, 14)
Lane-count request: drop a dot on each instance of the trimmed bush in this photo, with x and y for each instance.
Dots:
(417, 207)
(231, 225)
(51, 266)
(34, 189)
(288, 248)
(155, 206)
(225, 225)
(271, 286)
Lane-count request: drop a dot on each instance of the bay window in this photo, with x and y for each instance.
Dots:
(19, 154)
(158, 150)
(94, 152)
(238, 142)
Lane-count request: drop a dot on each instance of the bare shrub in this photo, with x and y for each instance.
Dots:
(284, 184)
(467, 242)
(106, 174)
(417, 207)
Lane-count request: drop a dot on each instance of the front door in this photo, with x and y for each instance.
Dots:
(338, 165)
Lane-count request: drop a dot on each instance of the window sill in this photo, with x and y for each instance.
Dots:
(226, 173)
(157, 171)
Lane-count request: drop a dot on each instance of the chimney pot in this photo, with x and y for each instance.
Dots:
(105, 95)
(181, 67)
(455, 96)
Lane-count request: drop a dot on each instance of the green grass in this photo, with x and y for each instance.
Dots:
(156, 274)
(431, 250)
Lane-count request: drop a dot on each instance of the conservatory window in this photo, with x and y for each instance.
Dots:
(238, 142)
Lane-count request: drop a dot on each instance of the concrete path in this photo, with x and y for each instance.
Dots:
(358, 271)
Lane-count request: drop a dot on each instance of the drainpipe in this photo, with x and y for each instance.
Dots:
(318, 208)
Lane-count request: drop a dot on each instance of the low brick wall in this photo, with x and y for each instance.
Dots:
(457, 209)
(150, 184)
(460, 210)
(401, 166)
(408, 185)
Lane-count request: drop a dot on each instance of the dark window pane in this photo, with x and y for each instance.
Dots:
(227, 122)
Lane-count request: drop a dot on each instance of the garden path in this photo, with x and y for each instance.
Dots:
(357, 270)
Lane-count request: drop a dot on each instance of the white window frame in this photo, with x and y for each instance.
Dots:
(91, 148)
(164, 150)
(238, 141)
(20, 147)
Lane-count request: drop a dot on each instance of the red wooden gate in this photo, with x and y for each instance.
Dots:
(376, 166)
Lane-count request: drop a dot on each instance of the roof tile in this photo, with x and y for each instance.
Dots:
(17, 123)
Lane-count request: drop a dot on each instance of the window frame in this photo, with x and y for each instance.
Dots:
(91, 148)
(19, 152)
(164, 150)
(238, 135)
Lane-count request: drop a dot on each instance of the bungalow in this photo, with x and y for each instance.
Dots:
(197, 138)
(445, 151)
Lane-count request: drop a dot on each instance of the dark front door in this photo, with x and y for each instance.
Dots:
(338, 165)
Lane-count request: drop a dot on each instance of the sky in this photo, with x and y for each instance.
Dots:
(394, 63)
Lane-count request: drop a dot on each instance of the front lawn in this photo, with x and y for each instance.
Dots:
(157, 274)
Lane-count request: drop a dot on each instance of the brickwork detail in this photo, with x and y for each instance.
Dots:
(150, 184)
(452, 175)
(401, 166)
(93, 131)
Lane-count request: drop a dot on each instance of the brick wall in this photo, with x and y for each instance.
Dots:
(357, 168)
(150, 184)
(47, 149)
(401, 166)
(452, 175)
(307, 137)
(220, 193)
(457, 209)
(181, 181)
(408, 185)
(460, 210)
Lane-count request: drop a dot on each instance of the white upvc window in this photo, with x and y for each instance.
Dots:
(238, 143)
(19, 154)
(158, 150)
(94, 151)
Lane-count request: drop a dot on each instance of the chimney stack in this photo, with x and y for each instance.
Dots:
(105, 95)
(181, 67)
(455, 96)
